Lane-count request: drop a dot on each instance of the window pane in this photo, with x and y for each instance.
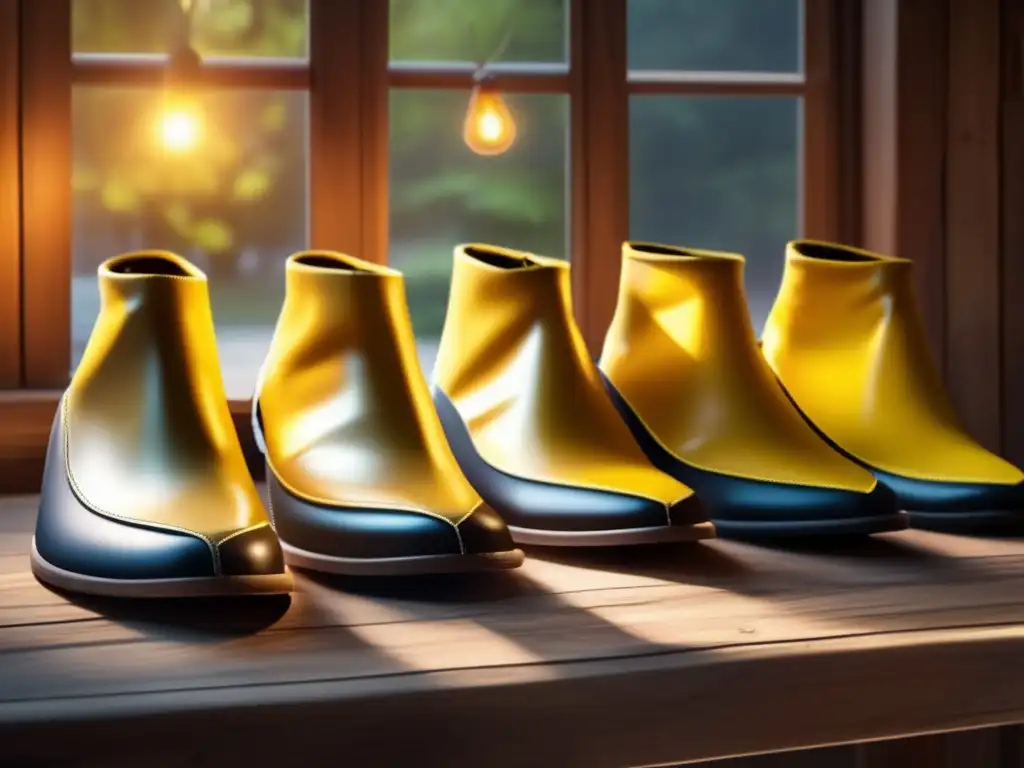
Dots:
(442, 194)
(715, 35)
(471, 30)
(234, 203)
(259, 28)
(718, 173)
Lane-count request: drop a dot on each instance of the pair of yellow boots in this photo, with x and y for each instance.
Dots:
(523, 439)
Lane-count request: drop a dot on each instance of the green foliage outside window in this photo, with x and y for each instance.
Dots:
(249, 181)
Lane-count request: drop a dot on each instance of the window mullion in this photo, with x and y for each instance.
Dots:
(599, 159)
(821, 205)
(46, 146)
(335, 206)
(374, 98)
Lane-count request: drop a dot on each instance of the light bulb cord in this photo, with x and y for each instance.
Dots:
(182, 52)
(499, 50)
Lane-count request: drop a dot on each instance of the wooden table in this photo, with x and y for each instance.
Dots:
(580, 658)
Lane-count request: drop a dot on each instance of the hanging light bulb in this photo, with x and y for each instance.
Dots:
(181, 120)
(489, 128)
(180, 126)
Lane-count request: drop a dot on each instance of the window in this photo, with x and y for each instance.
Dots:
(715, 124)
(441, 193)
(338, 124)
(218, 175)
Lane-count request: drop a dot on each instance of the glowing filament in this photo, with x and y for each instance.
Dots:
(180, 129)
(489, 128)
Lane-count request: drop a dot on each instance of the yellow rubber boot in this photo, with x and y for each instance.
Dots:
(683, 367)
(361, 479)
(846, 339)
(146, 492)
(528, 417)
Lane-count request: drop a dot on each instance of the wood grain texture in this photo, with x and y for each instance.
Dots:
(692, 652)
(921, 752)
(903, 145)
(10, 199)
(921, 100)
(1013, 230)
(46, 147)
(973, 217)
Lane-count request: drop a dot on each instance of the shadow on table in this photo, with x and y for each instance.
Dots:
(461, 588)
(756, 567)
(196, 619)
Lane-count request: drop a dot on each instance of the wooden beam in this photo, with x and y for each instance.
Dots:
(973, 345)
(46, 147)
(511, 77)
(1013, 231)
(10, 198)
(599, 129)
(150, 70)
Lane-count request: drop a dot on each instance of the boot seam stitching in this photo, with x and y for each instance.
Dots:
(558, 483)
(768, 481)
(364, 505)
(335, 505)
(361, 505)
(77, 489)
(240, 531)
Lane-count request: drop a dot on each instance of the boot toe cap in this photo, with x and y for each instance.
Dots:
(359, 533)
(741, 506)
(255, 552)
(484, 532)
(958, 506)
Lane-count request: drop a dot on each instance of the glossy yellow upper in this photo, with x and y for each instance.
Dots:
(682, 352)
(515, 366)
(846, 338)
(348, 418)
(149, 434)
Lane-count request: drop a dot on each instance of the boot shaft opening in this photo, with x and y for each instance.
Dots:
(150, 264)
(831, 252)
(337, 262)
(647, 250)
(500, 257)
(824, 252)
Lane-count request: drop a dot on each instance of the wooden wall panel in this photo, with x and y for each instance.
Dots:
(10, 200)
(1013, 230)
(903, 145)
(973, 348)
(921, 93)
(46, 145)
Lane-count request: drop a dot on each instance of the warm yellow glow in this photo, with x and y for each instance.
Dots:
(489, 128)
(180, 129)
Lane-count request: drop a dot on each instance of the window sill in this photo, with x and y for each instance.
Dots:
(25, 420)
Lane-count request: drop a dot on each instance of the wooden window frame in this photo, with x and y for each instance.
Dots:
(349, 76)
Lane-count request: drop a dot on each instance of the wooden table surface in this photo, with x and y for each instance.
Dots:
(581, 658)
